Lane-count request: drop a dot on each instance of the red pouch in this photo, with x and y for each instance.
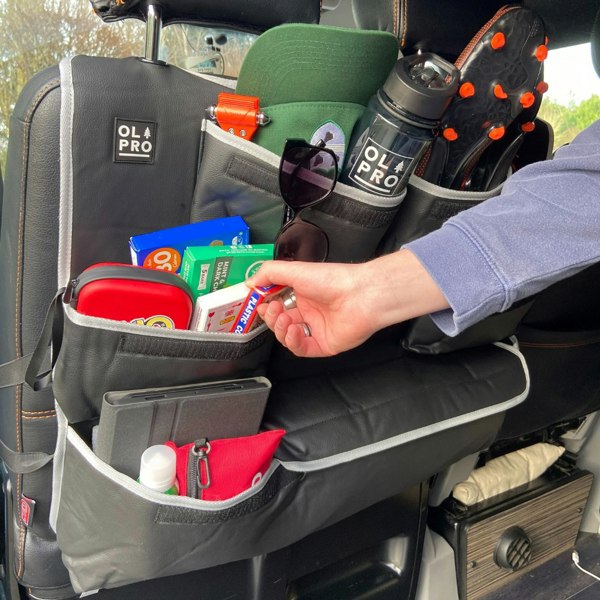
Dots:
(133, 294)
(221, 469)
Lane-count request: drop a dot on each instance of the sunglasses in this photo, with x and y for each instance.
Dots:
(307, 176)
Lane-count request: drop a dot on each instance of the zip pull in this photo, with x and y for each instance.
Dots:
(201, 450)
(70, 295)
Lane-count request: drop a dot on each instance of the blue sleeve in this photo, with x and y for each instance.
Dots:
(545, 226)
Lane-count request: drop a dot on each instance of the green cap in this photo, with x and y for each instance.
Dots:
(306, 63)
(314, 81)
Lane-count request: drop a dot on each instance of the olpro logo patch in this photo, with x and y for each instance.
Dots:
(135, 141)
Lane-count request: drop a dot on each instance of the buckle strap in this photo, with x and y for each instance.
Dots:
(13, 372)
(26, 369)
(23, 462)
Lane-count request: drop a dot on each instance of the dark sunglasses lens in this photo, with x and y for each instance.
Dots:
(306, 176)
(302, 241)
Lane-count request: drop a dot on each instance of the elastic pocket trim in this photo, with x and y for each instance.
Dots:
(256, 152)
(367, 216)
(280, 479)
(172, 348)
(163, 500)
(159, 332)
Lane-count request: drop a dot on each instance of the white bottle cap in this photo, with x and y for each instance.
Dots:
(157, 468)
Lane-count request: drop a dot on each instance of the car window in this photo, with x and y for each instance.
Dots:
(35, 34)
(209, 50)
(572, 101)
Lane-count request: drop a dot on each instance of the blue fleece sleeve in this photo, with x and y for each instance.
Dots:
(545, 226)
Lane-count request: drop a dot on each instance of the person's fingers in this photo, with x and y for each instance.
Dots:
(269, 312)
(280, 327)
(299, 343)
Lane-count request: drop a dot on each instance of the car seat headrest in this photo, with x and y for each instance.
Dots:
(246, 15)
(429, 25)
(447, 27)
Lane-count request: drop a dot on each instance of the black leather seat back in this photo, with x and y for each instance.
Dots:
(29, 247)
(102, 195)
(446, 27)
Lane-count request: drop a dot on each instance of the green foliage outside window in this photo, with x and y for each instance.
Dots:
(567, 121)
(35, 34)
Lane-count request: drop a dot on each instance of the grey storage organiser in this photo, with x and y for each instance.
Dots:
(350, 434)
(239, 177)
(426, 208)
(98, 355)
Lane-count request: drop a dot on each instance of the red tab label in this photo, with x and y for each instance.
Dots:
(27, 510)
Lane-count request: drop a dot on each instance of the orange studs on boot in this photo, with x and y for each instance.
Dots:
(527, 100)
(542, 87)
(450, 134)
(495, 133)
(499, 92)
(498, 41)
(527, 127)
(466, 90)
(541, 53)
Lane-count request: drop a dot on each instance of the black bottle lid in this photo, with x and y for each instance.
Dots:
(421, 84)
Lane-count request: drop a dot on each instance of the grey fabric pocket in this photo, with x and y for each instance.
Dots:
(112, 531)
(98, 355)
(426, 208)
(237, 177)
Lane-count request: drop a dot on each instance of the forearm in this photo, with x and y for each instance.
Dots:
(544, 227)
(398, 287)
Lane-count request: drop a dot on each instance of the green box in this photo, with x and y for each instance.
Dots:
(210, 268)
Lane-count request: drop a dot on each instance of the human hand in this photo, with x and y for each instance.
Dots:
(326, 301)
(344, 304)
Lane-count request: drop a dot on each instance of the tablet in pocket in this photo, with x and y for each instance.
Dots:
(131, 421)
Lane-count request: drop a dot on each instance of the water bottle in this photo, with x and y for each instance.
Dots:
(399, 124)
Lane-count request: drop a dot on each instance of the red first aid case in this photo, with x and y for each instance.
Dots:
(133, 294)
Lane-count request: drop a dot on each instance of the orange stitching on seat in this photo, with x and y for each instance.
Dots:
(18, 349)
(38, 412)
(404, 23)
(29, 418)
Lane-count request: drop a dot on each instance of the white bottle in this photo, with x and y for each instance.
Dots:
(158, 469)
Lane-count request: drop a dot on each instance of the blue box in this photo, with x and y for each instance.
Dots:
(164, 249)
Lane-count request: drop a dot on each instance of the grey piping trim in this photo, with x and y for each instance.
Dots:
(156, 497)
(224, 81)
(58, 466)
(255, 151)
(180, 334)
(448, 194)
(404, 438)
(66, 173)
